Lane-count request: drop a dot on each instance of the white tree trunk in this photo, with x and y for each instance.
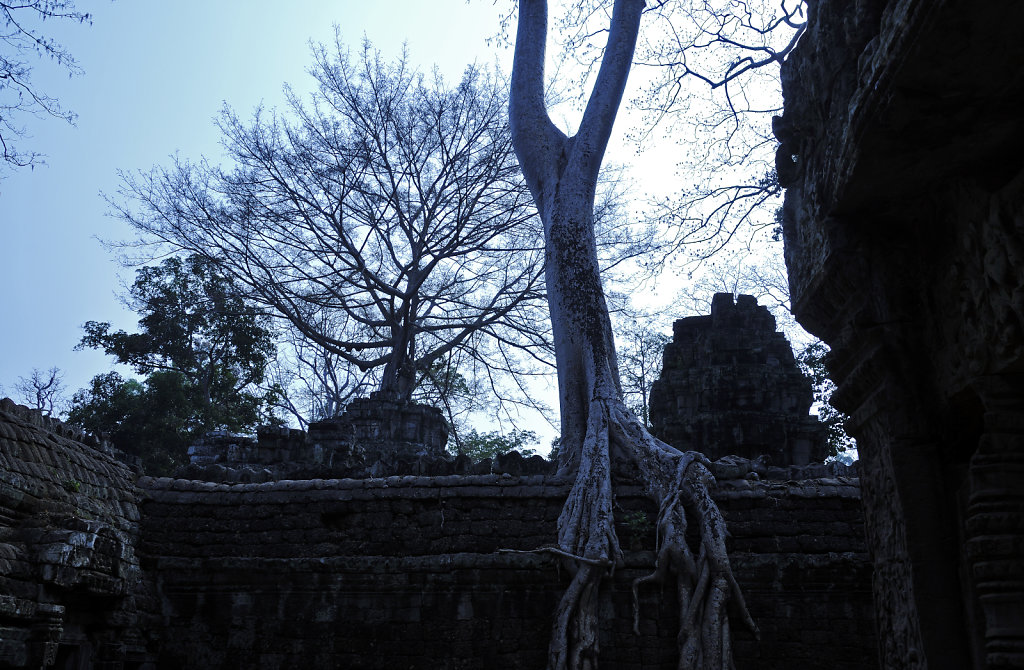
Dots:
(597, 429)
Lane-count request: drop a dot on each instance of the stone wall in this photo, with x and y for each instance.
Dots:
(100, 571)
(412, 572)
(902, 150)
(71, 589)
(374, 437)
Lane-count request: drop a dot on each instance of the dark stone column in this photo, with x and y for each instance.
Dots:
(995, 521)
(902, 151)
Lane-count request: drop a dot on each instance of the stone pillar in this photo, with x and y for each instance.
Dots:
(995, 521)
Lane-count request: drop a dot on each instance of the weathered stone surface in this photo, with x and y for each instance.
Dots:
(333, 573)
(730, 386)
(407, 571)
(903, 154)
(71, 587)
(375, 437)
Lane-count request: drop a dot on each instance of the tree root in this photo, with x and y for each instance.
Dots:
(558, 552)
(705, 585)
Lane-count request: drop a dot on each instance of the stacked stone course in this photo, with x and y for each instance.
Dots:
(436, 562)
(71, 588)
(730, 386)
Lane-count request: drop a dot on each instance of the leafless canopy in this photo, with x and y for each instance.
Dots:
(20, 41)
(390, 201)
(708, 79)
(43, 391)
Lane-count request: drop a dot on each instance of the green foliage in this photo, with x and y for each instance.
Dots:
(194, 322)
(154, 420)
(442, 385)
(203, 352)
(812, 360)
(479, 446)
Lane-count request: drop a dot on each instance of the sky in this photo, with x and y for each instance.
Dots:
(155, 76)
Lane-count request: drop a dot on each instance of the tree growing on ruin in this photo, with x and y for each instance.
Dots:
(43, 391)
(386, 219)
(599, 433)
(316, 384)
(20, 42)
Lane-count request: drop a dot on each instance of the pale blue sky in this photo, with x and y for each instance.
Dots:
(156, 73)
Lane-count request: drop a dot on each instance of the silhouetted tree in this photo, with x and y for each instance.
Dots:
(491, 444)
(203, 351)
(43, 391)
(709, 82)
(641, 354)
(155, 419)
(386, 220)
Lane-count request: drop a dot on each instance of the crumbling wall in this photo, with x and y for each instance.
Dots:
(730, 385)
(100, 571)
(71, 592)
(418, 572)
(902, 150)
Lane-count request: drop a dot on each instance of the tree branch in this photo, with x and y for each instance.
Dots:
(536, 139)
(599, 115)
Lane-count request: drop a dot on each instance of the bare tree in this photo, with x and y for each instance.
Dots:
(597, 428)
(312, 382)
(43, 391)
(19, 42)
(707, 79)
(391, 199)
(713, 71)
(641, 353)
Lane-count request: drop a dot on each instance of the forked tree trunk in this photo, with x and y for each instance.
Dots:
(597, 429)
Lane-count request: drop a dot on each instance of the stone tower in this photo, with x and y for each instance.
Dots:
(730, 385)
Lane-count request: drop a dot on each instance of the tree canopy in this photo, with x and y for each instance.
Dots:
(385, 219)
(43, 391)
(203, 352)
(706, 78)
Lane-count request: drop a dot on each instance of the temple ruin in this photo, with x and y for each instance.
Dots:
(351, 546)
(902, 154)
(730, 386)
